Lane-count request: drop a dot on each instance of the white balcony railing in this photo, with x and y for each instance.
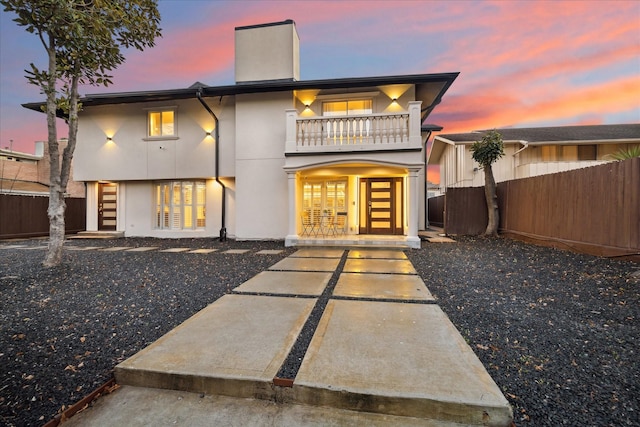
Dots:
(369, 132)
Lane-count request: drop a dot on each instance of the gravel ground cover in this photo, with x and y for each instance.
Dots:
(63, 330)
(557, 331)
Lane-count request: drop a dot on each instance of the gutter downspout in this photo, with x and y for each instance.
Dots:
(223, 229)
(515, 159)
(526, 145)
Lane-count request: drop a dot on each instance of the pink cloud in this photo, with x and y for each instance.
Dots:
(489, 108)
(520, 62)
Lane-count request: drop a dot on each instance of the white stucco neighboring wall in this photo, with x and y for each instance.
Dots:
(458, 169)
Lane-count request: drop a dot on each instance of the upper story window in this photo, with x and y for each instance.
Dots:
(353, 107)
(162, 123)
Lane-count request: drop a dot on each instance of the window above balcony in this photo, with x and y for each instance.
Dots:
(352, 107)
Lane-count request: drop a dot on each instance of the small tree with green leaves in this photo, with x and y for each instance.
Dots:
(486, 151)
(83, 39)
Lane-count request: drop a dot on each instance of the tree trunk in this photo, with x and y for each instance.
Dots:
(55, 211)
(491, 196)
(57, 206)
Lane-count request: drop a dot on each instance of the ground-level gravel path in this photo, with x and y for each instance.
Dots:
(558, 332)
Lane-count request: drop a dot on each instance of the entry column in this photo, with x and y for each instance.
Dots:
(413, 209)
(292, 234)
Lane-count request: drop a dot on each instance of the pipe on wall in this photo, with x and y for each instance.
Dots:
(223, 229)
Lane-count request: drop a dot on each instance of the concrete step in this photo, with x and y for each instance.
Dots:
(233, 347)
(142, 407)
(395, 359)
(97, 235)
(356, 241)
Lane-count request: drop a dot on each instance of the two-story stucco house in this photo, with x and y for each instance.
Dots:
(530, 151)
(270, 157)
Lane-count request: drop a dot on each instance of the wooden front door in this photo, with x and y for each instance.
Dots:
(381, 206)
(107, 206)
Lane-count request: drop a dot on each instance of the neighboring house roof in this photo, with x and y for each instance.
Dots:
(11, 186)
(595, 134)
(429, 89)
(18, 155)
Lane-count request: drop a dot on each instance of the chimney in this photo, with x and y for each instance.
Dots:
(267, 52)
(39, 151)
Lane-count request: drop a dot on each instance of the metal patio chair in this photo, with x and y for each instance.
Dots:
(308, 227)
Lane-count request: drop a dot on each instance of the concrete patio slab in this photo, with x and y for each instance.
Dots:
(142, 249)
(376, 253)
(30, 248)
(236, 251)
(11, 246)
(387, 286)
(175, 250)
(318, 253)
(242, 340)
(398, 359)
(287, 282)
(115, 249)
(202, 251)
(269, 252)
(440, 239)
(82, 248)
(306, 264)
(142, 407)
(379, 266)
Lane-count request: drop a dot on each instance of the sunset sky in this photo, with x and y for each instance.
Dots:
(521, 63)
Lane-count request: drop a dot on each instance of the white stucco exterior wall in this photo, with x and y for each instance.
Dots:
(133, 156)
(135, 162)
(261, 203)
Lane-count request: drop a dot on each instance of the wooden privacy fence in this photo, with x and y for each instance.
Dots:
(26, 216)
(435, 210)
(594, 210)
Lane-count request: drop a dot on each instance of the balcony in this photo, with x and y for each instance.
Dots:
(370, 132)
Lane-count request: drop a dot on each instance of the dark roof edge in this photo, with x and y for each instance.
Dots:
(269, 24)
(258, 87)
(431, 128)
(554, 134)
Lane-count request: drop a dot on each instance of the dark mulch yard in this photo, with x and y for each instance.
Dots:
(557, 331)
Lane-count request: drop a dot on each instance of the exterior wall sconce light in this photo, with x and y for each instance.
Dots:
(109, 139)
(394, 100)
(208, 133)
(307, 107)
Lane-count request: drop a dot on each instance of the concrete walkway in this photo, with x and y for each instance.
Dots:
(383, 353)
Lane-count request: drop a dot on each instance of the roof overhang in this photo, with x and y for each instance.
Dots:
(437, 148)
(429, 88)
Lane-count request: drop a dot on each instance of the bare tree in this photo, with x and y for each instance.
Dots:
(83, 39)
